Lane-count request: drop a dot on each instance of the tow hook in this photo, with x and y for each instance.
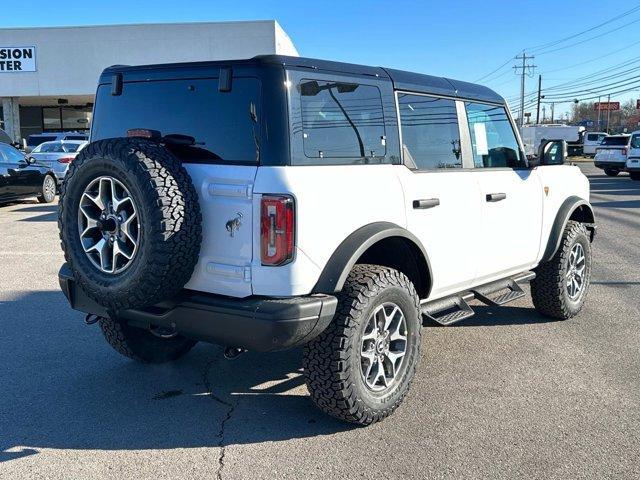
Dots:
(90, 319)
(231, 353)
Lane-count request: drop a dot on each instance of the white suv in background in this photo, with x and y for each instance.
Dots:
(611, 154)
(633, 160)
(280, 202)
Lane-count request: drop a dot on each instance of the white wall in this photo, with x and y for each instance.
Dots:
(70, 59)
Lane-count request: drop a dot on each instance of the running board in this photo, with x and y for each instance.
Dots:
(454, 308)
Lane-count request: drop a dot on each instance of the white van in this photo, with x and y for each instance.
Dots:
(591, 141)
(633, 159)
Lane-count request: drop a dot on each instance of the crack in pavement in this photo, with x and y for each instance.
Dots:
(230, 408)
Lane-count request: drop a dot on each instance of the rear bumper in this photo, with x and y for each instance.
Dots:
(604, 164)
(255, 323)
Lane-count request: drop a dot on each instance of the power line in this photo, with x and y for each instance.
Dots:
(497, 69)
(557, 42)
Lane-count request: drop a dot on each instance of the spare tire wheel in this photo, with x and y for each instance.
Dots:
(130, 223)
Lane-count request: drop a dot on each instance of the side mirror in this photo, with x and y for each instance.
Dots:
(552, 152)
(30, 160)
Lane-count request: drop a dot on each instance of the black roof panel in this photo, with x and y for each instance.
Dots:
(402, 80)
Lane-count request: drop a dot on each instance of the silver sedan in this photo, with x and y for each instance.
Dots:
(58, 155)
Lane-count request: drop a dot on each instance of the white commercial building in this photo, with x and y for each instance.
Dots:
(48, 76)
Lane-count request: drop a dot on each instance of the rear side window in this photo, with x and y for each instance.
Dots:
(225, 125)
(430, 133)
(592, 137)
(493, 140)
(341, 120)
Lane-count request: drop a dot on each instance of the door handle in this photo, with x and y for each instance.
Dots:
(426, 203)
(496, 197)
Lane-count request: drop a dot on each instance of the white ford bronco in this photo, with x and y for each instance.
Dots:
(278, 202)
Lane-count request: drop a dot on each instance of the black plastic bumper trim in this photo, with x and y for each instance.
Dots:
(254, 323)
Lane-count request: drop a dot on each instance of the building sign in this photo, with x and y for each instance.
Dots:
(17, 59)
(613, 106)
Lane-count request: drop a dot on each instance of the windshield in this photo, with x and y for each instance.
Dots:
(57, 147)
(619, 141)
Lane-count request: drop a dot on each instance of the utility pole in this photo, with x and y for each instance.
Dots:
(599, 109)
(544, 113)
(608, 111)
(553, 104)
(525, 69)
(539, 92)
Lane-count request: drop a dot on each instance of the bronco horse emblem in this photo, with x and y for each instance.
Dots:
(234, 224)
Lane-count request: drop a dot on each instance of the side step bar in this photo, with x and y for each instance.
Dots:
(454, 308)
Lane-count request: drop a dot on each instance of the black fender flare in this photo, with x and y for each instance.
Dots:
(336, 270)
(566, 210)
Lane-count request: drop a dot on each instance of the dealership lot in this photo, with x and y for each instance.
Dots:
(506, 393)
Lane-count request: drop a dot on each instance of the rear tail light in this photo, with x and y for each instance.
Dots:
(624, 151)
(277, 228)
(65, 160)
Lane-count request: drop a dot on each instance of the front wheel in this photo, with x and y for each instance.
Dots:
(360, 368)
(560, 287)
(48, 190)
(611, 172)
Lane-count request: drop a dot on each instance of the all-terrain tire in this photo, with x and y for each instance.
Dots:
(549, 290)
(332, 361)
(610, 172)
(634, 176)
(48, 190)
(142, 345)
(169, 222)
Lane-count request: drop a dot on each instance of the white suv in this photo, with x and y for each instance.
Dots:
(633, 157)
(274, 202)
(611, 154)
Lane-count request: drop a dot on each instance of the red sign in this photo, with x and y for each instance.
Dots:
(607, 105)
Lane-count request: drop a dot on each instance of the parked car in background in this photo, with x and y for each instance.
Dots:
(58, 155)
(36, 139)
(21, 177)
(4, 137)
(611, 154)
(591, 142)
(633, 158)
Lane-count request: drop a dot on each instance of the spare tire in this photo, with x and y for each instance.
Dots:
(130, 223)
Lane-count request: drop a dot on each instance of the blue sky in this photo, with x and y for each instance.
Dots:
(460, 39)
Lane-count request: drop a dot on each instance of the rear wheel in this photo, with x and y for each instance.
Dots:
(611, 172)
(48, 191)
(360, 368)
(146, 346)
(634, 175)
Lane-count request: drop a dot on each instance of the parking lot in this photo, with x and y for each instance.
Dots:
(506, 393)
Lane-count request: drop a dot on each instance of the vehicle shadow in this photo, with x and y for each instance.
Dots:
(63, 387)
(48, 212)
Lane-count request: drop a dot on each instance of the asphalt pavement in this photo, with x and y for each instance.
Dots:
(505, 394)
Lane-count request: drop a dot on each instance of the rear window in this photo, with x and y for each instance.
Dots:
(76, 137)
(35, 140)
(615, 141)
(54, 147)
(225, 125)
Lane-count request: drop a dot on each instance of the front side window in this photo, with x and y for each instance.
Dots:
(493, 140)
(341, 120)
(430, 133)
